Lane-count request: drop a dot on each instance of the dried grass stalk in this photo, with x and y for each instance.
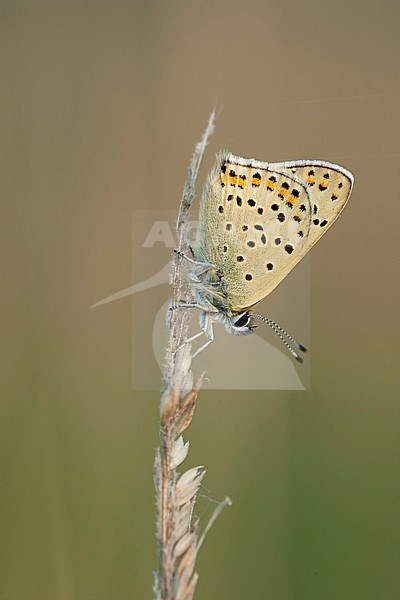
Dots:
(177, 530)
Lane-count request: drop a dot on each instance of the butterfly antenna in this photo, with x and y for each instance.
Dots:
(282, 334)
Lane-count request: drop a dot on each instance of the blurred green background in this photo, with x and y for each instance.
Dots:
(101, 105)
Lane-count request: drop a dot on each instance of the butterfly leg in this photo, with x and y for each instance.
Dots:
(207, 330)
(208, 342)
(190, 340)
(186, 257)
(198, 263)
(208, 309)
(192, 261)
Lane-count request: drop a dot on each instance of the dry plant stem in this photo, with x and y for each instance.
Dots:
(177, 531)
(179, 319)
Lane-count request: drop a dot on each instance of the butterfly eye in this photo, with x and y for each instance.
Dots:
(243, 320)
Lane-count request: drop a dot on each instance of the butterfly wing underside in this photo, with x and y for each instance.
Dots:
(258, 220)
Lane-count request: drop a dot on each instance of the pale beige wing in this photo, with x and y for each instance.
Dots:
(256, 223)
(329, 188)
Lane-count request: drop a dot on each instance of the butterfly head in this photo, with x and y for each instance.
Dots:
(239, 324)
(242, 324)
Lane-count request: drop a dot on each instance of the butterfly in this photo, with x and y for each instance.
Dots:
(257, 220)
